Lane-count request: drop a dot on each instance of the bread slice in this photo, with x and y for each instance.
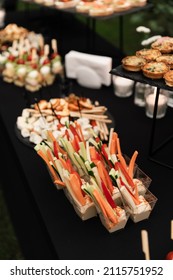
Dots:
(133, 63)
(155, 70)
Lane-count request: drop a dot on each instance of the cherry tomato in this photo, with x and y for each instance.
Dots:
(169, 256)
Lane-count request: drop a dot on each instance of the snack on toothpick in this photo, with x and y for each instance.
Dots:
(145, 244)
(56, 64)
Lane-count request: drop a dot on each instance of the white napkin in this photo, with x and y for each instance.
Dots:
(101, 65)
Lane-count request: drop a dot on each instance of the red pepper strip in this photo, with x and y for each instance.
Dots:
(67, 134)
(59, 126)
(55, 149)
(108, 196)
(74, 144)
(74, 131)
(69, 166)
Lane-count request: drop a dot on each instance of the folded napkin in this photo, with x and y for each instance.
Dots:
(90, 70)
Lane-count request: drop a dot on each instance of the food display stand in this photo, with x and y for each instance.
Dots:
(159, 84)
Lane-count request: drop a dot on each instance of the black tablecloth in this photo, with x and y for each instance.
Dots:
(44, 220)
(56, 231)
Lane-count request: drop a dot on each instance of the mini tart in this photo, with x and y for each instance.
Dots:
(84, 6)
(133, 63)
(166, 58)
(101, 9)
(65, 4)
(163, 44)
(155, 70)
(121, 5)
(149, 54)
(138, 3)
(168, 77)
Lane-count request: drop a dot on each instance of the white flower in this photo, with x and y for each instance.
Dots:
(150, 40)
(143, 29)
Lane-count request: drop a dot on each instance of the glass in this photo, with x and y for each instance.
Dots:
(123, 87)
(169, 95)
(141, 90)
(143, 210)
(150, 102)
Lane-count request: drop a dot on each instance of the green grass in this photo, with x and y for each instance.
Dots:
(9, 246)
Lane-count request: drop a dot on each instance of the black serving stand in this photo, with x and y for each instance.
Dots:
(160, 84)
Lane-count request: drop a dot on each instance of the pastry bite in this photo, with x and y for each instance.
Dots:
(155, 70)
(166, 58)
(148, 54)
(138, 3)
(168, 77)
(133, 63)
(47, 77)
(65, 4)
(101, 9)
(163, 44)
(121, 5)
(84, 6)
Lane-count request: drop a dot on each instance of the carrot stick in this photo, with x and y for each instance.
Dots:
(76, 188)
(132, 164)
(104, 175)
(52, 171)
(113, 144)
(59, 182)
(64, 164)
(109, 211)
(122, 160)
(79, 130)
(97, 197)
(50, 156)
(51, 138)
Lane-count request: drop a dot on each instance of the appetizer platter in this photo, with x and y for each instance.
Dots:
(97, 178)
(30, 63)
(152, 66)
(55, 113)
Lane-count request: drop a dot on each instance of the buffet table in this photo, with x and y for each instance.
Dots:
(45, 221)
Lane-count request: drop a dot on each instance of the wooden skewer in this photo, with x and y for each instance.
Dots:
(97, 117)
(172, 229)
(145, 244)
(54, 46)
